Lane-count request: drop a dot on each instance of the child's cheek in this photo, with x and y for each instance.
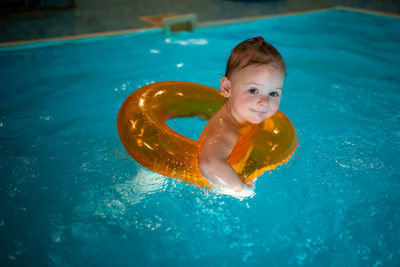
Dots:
(274, 107)
(244, 102)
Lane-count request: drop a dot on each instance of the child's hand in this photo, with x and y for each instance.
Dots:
(252, 183)
(246, 191)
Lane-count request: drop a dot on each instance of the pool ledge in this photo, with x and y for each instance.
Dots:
(56, 40)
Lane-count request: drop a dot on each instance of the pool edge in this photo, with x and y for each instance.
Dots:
(55, 40)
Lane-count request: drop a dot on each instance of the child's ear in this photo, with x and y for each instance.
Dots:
(225, 86)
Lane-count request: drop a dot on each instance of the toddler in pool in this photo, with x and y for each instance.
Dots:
(252, 86)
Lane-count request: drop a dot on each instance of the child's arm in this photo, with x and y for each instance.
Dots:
(213, 160)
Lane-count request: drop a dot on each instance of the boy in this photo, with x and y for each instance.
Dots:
(252, 86)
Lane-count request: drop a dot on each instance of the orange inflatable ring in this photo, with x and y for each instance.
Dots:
(148, 140)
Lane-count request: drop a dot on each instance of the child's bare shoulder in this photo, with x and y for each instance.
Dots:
(227, 130)
(220, 131)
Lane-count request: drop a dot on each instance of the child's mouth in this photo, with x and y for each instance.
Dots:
(260, 113)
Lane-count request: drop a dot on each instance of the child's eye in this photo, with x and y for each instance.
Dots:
(253, 91)
(274, 94)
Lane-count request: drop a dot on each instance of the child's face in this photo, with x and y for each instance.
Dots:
(254, 92)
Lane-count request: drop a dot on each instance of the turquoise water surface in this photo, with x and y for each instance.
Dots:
(71, 195)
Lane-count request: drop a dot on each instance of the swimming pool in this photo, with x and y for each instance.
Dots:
(71, 195)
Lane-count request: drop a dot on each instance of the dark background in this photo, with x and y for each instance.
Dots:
(36, 19)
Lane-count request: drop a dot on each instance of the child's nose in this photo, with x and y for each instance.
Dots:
(263, 100)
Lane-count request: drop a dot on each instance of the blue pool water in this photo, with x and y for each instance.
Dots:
(71, 196)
